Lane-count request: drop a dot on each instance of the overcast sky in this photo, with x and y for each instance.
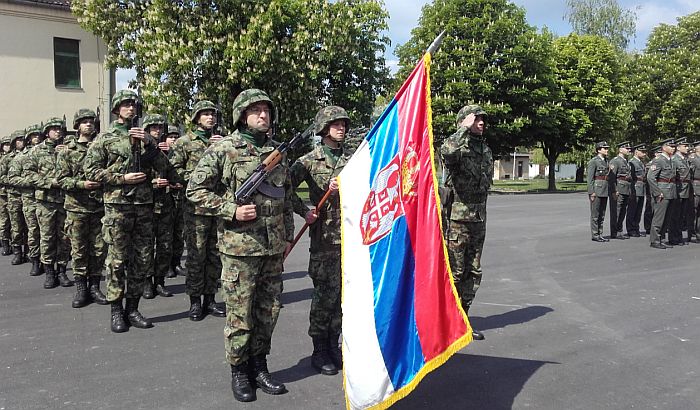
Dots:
(404, 16)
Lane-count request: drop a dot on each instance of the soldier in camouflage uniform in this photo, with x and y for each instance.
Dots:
(680, 207)
(468, 175)
(597, 174)
(84, 212)
(620, 185)
(163, 206)
(178, 195)
(17, 175)
(14, 204)
(203, 262)
(695, 168)
(125, 160)
(42, 172)
(662, 183)
(319, 169)
(636, 200)
(253, 238)
(5, 231)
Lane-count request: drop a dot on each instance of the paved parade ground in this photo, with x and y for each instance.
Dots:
(569, 324)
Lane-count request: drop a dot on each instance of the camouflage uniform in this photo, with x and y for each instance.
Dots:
(620, 184)
(468, 176)
(203, 261)
(597, 173)
(127, 226)
(252, 251)
(14, 207)
(5, 232)
(661, 177)
(178, 222)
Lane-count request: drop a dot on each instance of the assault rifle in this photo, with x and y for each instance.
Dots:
(245, 193)
(219, 126)
(97, 122)
(135, 144)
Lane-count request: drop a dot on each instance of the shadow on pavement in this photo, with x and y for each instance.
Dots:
(473, 382)
(299, 371)
(294, 275)
(176, 289)
(170, 318)
(512, 317)
(296, 296)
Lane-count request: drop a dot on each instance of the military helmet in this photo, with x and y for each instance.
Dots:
(327, 115)
(82, 114)
(52, 122)
(152, 119)
(121, 96)
(200, 106)
(247, 98)
(17, 135)
(173, 129)
(469, 109)
(6, 140)
(32, 129)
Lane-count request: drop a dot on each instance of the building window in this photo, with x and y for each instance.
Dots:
(66, 62)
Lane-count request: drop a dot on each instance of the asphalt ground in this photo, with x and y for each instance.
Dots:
(569, 324)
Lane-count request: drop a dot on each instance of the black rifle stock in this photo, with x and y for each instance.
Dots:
(135, 144)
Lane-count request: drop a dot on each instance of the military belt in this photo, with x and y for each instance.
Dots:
(697, 179)
(600, 178)
(666, 180)
(684, 180)
(269, 209)
(624, 178)
(640, 179)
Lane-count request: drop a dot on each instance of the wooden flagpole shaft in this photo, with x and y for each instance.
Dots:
(306, 224)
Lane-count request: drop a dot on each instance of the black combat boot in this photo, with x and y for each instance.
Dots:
(62, 277)
(334, 351)
(51, 280)
(148, 289)
(196, 312)
(6, 248)
(476, 335)
(320, 359)
(264, 379)
(82, 297)
(179, 270)
(211, 307)
(134, 317)
(25, 253)
(160, 288)
(19, 257)
(95, 292)
(119, 325)
(240, 383)
(36, 266)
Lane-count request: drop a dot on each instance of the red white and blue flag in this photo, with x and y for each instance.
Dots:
(401, 314)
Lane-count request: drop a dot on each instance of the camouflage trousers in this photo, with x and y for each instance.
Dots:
(203, 262)
(5, 231)
(87, 246)
(325, 316)
(128, 233)
(163, 241)
(55, 246)
(18, 226)
(465, 242)
(178, 232)
(252, 287)
(33, 231)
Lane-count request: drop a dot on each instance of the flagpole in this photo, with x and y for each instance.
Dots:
(436, 43)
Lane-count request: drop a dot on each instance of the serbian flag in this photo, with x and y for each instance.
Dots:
(401, 314)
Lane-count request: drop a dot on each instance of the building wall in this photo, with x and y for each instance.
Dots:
(563, 171)
(27, 71)
(503, 169)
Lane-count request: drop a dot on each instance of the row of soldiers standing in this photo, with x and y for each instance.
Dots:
(669, 184)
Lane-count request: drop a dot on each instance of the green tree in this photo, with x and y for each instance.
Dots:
(604, 18)
(490, 56)
(303, 53)
(588, 104)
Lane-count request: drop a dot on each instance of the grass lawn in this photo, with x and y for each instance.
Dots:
(536, 185)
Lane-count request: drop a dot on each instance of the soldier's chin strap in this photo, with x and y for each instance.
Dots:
(306, 224)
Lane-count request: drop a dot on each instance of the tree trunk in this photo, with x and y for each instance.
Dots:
(552, 186)
(579, 172)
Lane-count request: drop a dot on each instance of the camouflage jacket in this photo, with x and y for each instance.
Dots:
(683, 177)
(695, 168)
(42, 170)
(212, 186)
(110, 157)
(597, 174)
(468, 175)
(638, 175)
(18, 175)
(620, 176)
(317, 169)
(184, 156)
(661, 177)
(4, 168)
(71, 178)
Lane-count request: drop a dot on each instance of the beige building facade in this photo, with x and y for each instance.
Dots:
(49, 65)
(507, 168)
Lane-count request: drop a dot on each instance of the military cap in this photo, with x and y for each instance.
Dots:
(682, 141)
(6, 140)
(601, 144)
(173, 129)
(469, 109)
(640, 147)
(52, 122)
(200, 106)
(247, 98)
(152, 119)
(121, 96)
(327, 115)
(625, 144)
(670, 142)
(82, 114)
(32, 129)
(696, 143)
